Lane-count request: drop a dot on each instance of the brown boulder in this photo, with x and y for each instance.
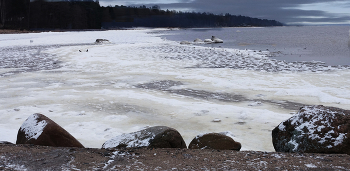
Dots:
(215, 141)
(40, 130)
(314, 129)
(153, 137)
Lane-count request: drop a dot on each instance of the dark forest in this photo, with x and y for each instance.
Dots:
(88, 14)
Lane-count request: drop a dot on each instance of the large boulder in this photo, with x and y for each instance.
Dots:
(153, 137)
(217, 141)
(314, 129)
(40, 130)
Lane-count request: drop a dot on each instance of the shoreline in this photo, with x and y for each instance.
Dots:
(29, 157)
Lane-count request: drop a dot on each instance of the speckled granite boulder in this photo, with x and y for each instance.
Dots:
(153, 137)
(314, 129)
(217, 141)
(40, 130)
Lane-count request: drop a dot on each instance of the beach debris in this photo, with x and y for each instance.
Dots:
(38, 129)
(217, 141)
(152, 137)
(314, 129)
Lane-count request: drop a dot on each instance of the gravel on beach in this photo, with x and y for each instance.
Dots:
(30, 157)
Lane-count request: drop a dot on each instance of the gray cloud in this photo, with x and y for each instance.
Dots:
(286, 11)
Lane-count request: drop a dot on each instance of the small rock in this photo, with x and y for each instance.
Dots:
(216, 120)
(208, 41)
(216, 40)
(255, 104)
(102, 41)
(198, 40)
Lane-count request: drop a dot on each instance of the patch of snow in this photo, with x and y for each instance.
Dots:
(228, 133)
(282, 127)
(135, 139)
(310, 165)
(315, 115)
(32, 128)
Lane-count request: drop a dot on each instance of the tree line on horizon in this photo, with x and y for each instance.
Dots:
(88, 14)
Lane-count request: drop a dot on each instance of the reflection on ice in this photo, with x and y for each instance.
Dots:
(140, 80)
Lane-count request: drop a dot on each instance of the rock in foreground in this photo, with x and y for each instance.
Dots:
(215, 141)
(153, 137)
(314, 129)
(40, 130)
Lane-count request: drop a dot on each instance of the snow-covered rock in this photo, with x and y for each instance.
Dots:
(216, 40)
(218, 141)
(208, 41)
(102, 41)
(198, 40)
(153, 137)
(185, 42)
(38, 129)
(314, 129)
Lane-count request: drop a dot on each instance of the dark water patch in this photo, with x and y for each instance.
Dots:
(160, 85)
(285, 104)
(201, 94)
(165, 85)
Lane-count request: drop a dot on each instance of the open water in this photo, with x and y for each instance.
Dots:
(329, 44)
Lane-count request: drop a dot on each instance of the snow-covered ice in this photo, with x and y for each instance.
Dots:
(140, 80)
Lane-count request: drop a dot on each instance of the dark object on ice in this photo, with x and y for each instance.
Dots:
(87, 50)
(215, 141)
(5, 142)
(314, 129)
(101, 41)
(153, 137)
(79, 50)
(40, 130)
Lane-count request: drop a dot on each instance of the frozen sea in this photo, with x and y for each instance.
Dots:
(143, 78)
(330, 44)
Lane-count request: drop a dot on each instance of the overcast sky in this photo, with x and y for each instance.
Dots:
(285, 11)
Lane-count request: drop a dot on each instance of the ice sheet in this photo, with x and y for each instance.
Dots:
(99, 94)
